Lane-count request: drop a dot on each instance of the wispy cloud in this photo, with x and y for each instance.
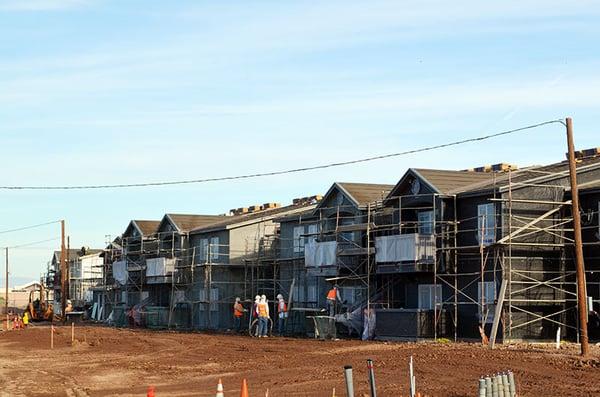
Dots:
(416, 98)
(40, 5)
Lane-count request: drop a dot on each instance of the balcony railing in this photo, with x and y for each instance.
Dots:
(405, 253)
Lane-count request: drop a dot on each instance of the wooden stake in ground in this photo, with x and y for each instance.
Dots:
(484, 338)
(72, 332)
(52, 337)
(581, 294)
(63, 270)
(6, 293)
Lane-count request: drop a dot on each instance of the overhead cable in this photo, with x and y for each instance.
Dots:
(282, 172)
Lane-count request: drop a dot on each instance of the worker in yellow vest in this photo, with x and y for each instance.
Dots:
(25, 319)
(262, 309)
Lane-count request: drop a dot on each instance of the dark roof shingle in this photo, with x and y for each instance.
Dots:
(147, 227)
(187, 222)
(365, 193)
(453, 182)
(521, 177)
(254, 216)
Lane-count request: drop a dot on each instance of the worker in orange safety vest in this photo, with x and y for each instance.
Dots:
(282, 314)
(333, 296)
(238, 313)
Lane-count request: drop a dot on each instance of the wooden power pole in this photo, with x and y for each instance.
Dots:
(6, 292)
(63, 269)
(581, 294)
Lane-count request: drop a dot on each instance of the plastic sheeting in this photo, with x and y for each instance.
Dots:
(352, 320)
(157, 267)
(369, 319)
(404, 247)
(120, 272)
(318, 254)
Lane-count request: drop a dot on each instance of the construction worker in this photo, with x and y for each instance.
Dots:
(282, 313)
(238, 313)
(333, 296)
(69, 307)
(254, 315)
(25, 319)
(262, 310)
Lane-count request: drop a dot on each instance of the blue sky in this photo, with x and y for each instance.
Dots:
(96, 91)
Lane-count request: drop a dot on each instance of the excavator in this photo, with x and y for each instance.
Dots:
(39, 309)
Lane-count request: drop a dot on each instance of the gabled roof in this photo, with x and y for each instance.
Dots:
(365, 193)
(307, 214)
(73, 253)
(116, 243)
(536, 174)
(26, 286)
(452, 182)
(360, 194)
(231, 222)
(145, 227)
(186, 222)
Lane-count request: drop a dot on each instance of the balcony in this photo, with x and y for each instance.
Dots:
(405, 253)
(320, 258)
(120, 273)
(159, 270)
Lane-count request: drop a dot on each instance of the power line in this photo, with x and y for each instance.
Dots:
(28, 227)
(289, 171)
(32, 243)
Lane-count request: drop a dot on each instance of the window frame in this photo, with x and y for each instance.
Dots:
(490, 292)
(484, 215)
(214, 252)
(204, 250)
(298, 239)
(434, 298)
(425, 226)
(313, 230)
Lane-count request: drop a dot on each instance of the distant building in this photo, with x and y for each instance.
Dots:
(84, 273)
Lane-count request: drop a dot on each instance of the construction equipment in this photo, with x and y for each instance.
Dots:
(38, 308)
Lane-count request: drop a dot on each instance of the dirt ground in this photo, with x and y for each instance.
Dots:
(116, 362)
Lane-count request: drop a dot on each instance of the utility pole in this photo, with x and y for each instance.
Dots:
(63, 269)
(6, 292)
(581, 294)
(68, 278)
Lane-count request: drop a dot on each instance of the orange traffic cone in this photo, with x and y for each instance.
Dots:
(220, 389)
(244, 392)
(150, 391)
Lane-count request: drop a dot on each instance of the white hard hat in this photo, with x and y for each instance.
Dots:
(279, 296)
(237, 299)
(68, 301)
(257, 297)
(263, 297)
